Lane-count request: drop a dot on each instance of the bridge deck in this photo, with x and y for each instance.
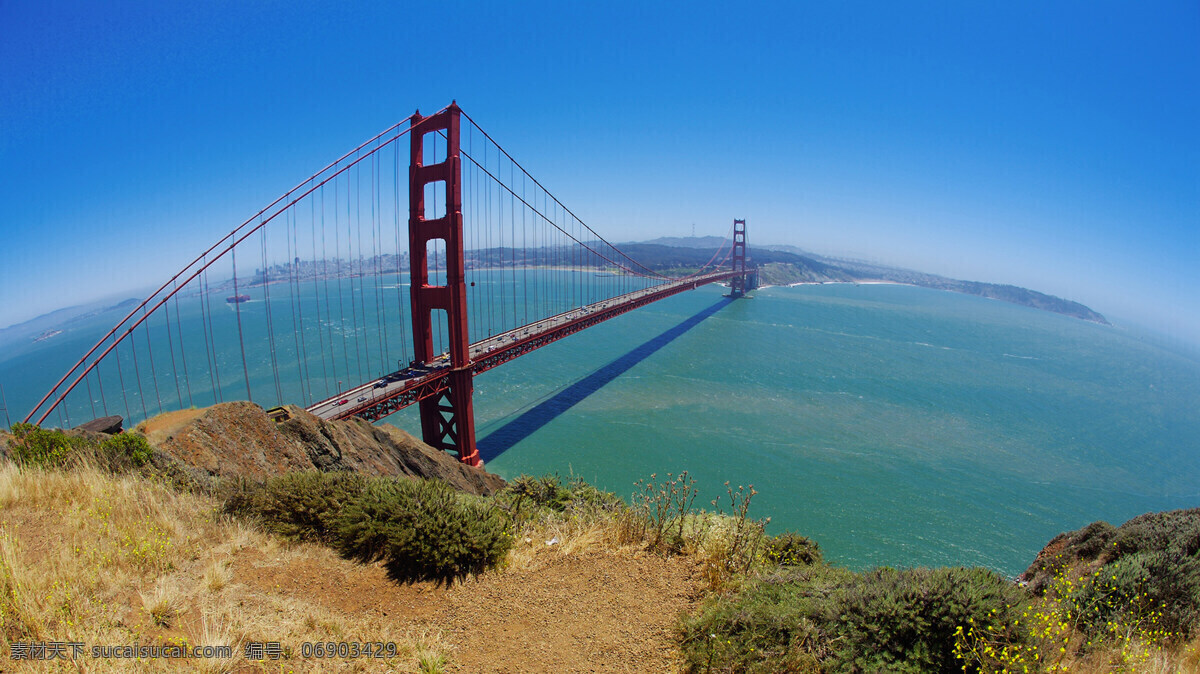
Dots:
(378, 398)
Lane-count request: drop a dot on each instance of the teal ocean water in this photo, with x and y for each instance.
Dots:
(896, 425)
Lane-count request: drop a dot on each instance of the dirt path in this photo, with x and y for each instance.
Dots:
(596, 612)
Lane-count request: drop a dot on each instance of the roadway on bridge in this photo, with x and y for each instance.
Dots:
(375, 392)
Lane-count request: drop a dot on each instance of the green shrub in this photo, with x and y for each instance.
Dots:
(306, 505)
(792, 549)
(422, 530)
(772, 624)
(38, 447)
(1089, 542)
(21, 429)
(526, 497)
(1178, 529)
(35, 446)
(239, 496)
(1149, 580)
(588, 498)
(1156, 590)
(820, 618)
(545, 492)
(905, 621)
(129, 447)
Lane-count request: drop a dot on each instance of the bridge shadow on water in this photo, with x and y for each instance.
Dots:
(504, 438)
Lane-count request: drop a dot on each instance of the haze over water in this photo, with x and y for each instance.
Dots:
(896, 425)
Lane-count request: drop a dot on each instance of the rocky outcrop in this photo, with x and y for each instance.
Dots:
(110, 425)
(1175, 533)
(239, 439)
(1073, 549)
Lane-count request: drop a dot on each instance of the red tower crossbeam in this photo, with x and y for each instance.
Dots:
(447, 419)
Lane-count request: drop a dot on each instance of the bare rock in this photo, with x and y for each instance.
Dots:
(239, 439)
(110, 425)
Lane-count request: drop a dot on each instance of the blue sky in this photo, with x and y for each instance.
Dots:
(1049, 145)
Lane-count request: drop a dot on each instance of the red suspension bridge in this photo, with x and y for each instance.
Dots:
(494, 265)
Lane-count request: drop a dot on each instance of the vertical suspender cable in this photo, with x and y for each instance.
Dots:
(204, 332)
(298, 311)
(337, 243)
(470, 232)
(153, 370)
(501, 316)
(91, 400)
(121, 381)
(187, 380)
(360, 341)
(377, 268)
(211, 342)
(237, 310)
(399, 257)
(137, 374)
(317, 283)
(328, 308)
(289, 227)
(171, 348)
(512, 224)
(525, 259)
(266, 283)
(492, 257)
(100, 384)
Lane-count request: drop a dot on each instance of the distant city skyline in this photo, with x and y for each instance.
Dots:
(1050, 147)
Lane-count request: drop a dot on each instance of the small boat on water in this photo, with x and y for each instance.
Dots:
(237, 299)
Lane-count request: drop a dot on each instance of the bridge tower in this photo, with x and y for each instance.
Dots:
(447, 420)
(737, 284)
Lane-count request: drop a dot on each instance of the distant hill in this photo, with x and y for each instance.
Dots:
(786, 265)
(790, 249)
(709, 242)
(30, 329)
(865, 271)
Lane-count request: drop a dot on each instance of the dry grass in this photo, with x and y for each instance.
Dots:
(715, 547)
(217, 576)
(1133, 657)
(546, 538)
(102, 560)
(165, 604)
(167, 424)
(717, 543)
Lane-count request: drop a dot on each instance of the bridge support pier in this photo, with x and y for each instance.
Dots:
(447, 420)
